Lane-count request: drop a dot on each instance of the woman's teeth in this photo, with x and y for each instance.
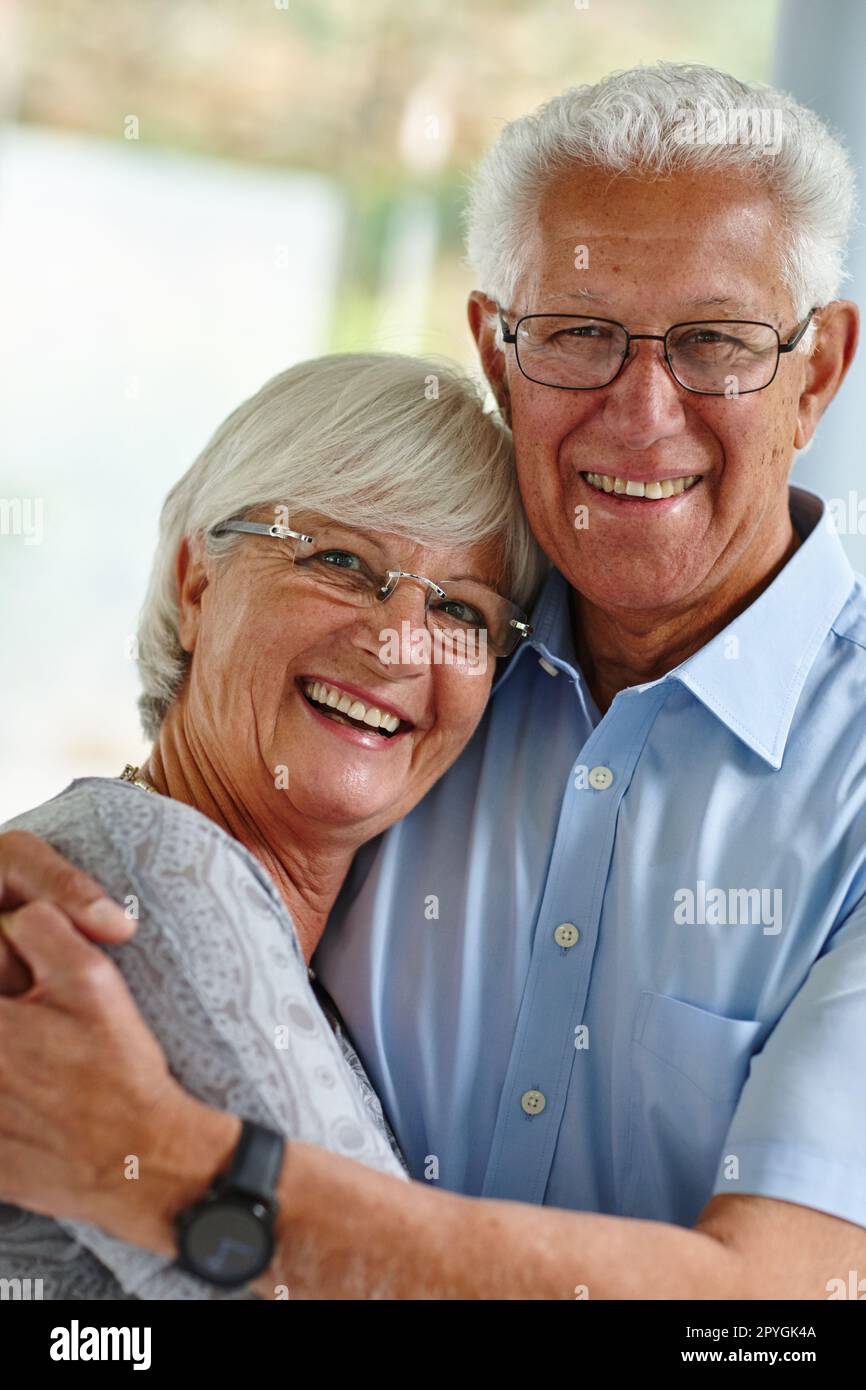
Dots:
(627, 487)
(337, 703)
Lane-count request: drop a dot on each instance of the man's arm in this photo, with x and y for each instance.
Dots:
(83, 1082)
(347, 1232)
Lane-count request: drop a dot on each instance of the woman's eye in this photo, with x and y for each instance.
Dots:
(461, 612)
(342, 567)
(340, 559)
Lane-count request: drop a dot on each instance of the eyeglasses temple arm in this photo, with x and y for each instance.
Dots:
(260, 528)
(792, 342)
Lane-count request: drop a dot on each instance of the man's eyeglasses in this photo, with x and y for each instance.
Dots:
(459, 608)
(713, 357)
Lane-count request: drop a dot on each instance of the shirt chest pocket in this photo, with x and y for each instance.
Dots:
(688, 1067)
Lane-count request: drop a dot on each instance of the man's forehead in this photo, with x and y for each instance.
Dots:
(707, 243)
(587, 301)
(605, 196)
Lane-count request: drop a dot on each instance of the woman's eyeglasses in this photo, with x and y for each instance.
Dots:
(452, 606)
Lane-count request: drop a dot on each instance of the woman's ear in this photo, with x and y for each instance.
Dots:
(192, 580)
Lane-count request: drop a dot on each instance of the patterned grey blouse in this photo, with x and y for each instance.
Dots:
(217, 971)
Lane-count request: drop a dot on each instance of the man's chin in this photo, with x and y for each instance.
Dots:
(648, 592)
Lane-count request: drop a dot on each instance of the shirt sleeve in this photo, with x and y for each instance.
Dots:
(217, 971)
(799, 1130)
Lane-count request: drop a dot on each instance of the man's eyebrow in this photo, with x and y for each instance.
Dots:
(723, 301)
(585, 296)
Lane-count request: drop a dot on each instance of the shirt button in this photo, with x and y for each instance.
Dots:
(566, 934)
(600, 778)
(533, 1102)
(548, 666)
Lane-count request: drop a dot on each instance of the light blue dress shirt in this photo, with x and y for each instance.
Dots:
(618, 964)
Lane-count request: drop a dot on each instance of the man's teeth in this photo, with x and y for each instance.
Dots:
(341, 703)
(666, 487)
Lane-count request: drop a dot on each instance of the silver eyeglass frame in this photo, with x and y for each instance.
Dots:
(392, 577)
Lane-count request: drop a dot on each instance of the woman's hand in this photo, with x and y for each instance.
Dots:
(92, 1124)
(31, 869)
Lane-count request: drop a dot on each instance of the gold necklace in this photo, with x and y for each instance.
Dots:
(131, 774)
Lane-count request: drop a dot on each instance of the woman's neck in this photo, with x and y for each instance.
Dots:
(308, 875)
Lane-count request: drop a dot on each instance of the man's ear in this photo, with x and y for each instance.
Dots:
(191, 575)
(479, 309)
(832, 354)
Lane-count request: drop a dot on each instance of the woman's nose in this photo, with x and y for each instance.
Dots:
(388, 627)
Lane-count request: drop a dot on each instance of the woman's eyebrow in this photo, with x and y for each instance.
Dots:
(475, 577)
(349, 534)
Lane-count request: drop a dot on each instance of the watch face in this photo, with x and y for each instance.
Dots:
(227, 1244)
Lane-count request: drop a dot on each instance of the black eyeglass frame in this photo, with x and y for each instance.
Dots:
(788, 346)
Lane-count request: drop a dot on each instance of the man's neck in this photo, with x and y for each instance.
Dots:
(617, 648)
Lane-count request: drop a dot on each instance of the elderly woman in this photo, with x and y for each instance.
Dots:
(352, 506)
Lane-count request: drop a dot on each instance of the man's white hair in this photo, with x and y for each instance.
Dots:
(633, 123)
(377, 441)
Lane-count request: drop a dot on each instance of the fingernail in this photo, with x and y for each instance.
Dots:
(101, 913)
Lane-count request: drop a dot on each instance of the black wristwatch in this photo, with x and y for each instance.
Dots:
(227, 1237)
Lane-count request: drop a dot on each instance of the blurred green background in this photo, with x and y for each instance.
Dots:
(394, 101)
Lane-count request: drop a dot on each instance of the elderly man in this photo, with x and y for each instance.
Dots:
(609, 978)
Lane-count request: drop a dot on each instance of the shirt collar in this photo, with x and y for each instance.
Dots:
(752, 683)
(552, 638)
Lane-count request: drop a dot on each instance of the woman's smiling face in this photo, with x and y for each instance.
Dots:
(266, 640)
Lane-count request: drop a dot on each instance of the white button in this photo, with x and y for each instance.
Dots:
(545, 665)
(566, 934)
(533, 1102)
(600, 778)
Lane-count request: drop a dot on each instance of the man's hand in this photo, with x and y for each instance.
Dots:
(92, 1124)
(29, 870)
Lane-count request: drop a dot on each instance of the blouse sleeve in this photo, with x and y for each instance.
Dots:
(216, 970)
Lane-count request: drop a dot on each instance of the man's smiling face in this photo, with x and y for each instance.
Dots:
(695, 246)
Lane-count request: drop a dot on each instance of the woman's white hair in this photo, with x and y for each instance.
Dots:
(638, 123)
(378, 441)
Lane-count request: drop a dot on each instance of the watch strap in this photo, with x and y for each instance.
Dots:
(256, 1162)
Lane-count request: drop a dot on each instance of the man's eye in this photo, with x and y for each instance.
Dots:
(584, 331)
(708, 336)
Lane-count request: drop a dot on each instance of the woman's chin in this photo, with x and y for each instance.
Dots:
(345, 797)
(367, 818)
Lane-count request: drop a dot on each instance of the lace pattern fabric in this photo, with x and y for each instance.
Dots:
(217, 971)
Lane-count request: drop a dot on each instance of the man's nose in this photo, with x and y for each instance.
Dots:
(644, 404)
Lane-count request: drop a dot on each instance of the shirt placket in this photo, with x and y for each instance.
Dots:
(564, 943)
